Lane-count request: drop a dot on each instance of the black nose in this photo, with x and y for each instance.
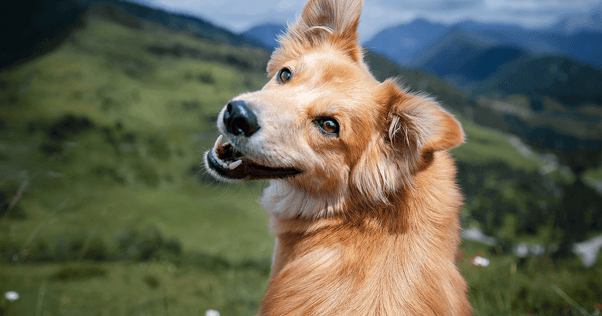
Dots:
(239, 119)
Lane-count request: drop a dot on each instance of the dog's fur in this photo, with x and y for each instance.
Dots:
(369, 223)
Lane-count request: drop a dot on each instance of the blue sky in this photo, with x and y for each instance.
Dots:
(239, 15)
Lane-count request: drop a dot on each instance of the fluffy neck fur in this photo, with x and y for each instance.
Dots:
(396, 259)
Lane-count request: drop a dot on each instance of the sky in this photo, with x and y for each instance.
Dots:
(240, 15)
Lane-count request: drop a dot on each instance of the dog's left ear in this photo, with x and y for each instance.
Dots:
(418, 126)
(325, 21)
(414, 129)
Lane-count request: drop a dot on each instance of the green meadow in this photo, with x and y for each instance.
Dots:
(107, 209)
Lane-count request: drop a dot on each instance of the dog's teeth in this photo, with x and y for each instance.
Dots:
(219, 161)
(235, 164)
(223, 163)
(218, 142)
(219, 146)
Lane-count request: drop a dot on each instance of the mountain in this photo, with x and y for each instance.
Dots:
(469, 55)
(41, 26)
(401, 42)
(585, 46)
(417, 43)
(451, 51)
(487, 61)
(266, 34)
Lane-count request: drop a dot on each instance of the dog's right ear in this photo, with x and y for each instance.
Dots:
(332, 21)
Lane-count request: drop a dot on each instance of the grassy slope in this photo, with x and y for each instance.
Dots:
(484, 145)
(106, 74)
(85, 78)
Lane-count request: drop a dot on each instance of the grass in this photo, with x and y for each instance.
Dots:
(202, 222)
(136, 165)
(127, 289)
(528, 286)
(86, 186)
(484, 145)
(152, 101)
(508, 286)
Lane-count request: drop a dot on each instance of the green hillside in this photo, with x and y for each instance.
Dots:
(105, 208)
(102, 139)
(562, 78)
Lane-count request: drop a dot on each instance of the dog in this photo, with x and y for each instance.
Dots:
(362, 194)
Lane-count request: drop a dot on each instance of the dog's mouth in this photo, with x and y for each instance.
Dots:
(231, 164)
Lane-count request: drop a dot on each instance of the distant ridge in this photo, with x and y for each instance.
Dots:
(266, 34)
(400, 43)
(410, 44)
(451, 51)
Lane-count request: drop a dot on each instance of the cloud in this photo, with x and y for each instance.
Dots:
(542, 4)
(431, 5)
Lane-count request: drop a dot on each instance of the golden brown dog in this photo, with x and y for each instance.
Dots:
(362, 194)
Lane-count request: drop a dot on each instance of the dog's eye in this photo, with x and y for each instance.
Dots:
(284, 75)
(328, 126)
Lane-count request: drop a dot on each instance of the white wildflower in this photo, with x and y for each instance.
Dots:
(480, 261)
(11, 296)
(212, 312)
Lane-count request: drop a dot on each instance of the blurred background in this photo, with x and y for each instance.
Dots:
(106, 108)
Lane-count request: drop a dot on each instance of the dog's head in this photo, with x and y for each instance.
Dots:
(323, 125)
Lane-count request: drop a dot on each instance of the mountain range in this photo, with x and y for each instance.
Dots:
(410, 44)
